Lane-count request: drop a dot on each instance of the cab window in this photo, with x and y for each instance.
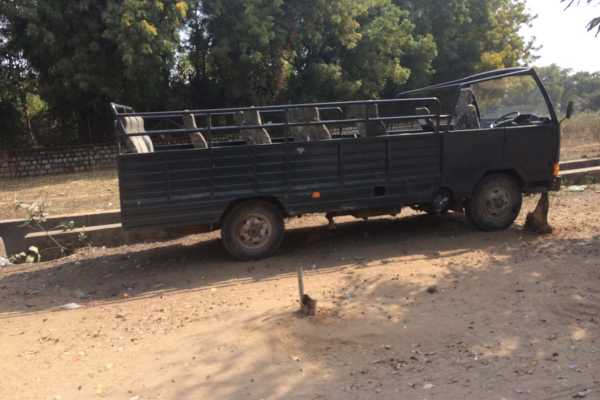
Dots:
(510, 101)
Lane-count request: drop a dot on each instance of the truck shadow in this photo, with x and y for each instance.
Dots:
(200, 263)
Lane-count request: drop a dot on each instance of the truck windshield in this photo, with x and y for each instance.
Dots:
(510, 101)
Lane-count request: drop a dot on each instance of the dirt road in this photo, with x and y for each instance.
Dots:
(410, 308)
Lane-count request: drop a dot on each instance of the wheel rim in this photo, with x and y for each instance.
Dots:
(254, 231)
(498, 203)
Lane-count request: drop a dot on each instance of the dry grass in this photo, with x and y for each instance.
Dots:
(581, 137)
(63, 194)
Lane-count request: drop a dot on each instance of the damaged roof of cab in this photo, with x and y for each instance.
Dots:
(480, 77)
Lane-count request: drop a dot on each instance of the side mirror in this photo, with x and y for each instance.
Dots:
(570, 110)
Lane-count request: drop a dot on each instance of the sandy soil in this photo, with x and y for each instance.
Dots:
(415, 307)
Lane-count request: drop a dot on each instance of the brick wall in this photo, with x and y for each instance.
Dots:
(54, 161)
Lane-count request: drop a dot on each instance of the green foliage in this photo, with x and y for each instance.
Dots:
(473, 35)
(17, 84)
(375, 51)
(145, 38)
(86, 53)
(563, 86)
(260, 51)
(243, 48)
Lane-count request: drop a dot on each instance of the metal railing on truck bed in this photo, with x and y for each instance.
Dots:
(173, 130)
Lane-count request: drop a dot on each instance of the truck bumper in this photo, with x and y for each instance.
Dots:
(552, 185)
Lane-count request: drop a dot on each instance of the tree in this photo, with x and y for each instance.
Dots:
(557, 83)
(370, 51)
(594, 23)
(145, 36)
(261, 51)
(237, 48)
(472, 35)
(563, 86)
(89, 52)
(17, 86)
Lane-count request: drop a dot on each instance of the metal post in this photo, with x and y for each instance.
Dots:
(287, 123)
(209, 123)
(301, 285)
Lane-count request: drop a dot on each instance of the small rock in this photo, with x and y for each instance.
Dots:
(387, 347)
(432, 289)
(583, 394)
(428, 386)
(4, 262)
(71, 306)
(99, 390)
(577, 188)
(296, 358)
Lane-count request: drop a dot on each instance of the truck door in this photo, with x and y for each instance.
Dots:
(517, 105)
(511, 128)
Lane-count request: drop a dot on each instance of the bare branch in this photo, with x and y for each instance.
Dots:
(593, 24)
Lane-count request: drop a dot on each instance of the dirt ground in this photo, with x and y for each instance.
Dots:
(61, 194)
(415, 307)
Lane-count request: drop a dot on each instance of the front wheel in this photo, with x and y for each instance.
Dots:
(252, 230)
(496, 203)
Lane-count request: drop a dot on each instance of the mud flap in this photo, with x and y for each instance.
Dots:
(537, 221)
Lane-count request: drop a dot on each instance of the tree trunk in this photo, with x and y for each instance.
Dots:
(23, 95)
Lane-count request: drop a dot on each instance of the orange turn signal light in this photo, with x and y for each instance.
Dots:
(556, 169)
(316, 195)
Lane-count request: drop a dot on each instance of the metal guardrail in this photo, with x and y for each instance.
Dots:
(579, 164)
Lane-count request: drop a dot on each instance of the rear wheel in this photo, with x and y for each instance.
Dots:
(496, 203)
(252, 230)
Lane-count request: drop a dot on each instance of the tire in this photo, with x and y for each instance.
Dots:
(252, 230)
(496, 203)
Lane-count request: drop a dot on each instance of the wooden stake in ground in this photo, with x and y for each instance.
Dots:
(308, 306)
(301, 283)
(537, 221)
(2, 248)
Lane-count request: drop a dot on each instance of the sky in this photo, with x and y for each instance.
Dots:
(563, 35)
